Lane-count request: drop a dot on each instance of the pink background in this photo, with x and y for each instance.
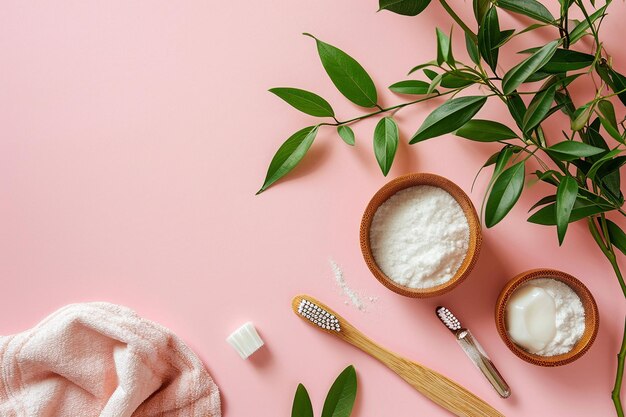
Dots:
(134, 136)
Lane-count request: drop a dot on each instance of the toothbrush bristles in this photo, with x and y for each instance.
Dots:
(448, 319)
(318, 316)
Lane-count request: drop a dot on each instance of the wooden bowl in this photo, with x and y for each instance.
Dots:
(407, 181)
(592, 318)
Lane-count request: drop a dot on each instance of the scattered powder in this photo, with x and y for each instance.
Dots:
(353, 296)
(570, 316)
(420, 237)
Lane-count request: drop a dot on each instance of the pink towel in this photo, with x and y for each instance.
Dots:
(100, 359)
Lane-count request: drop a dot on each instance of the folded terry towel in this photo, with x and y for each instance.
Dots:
(100, 359)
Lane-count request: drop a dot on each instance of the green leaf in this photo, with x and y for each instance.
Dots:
(415, 87)
(448, 117)
(289, 155)
(611, 166)
(492, 159)
(602, 68)
(608, 111)
(550, 176)
(565, 198)
(485, 131)
(404, 7)
(457, 79)
(582, 208)
(434, 83)
(564, 60)
(537, 76)
(506, 190)
(520, 73)
(452, 79)
(444, 48)
(425, 65)
(569, 150)
(582, 165)
(503, 158)
(347, 74)
(489, 37)
(517, 108)
(502, 155)
(480, 9)
(617, 236)
(581, 117)
(305, 101)
(580, 29)
(505, 36)
(567, 60)
(340, 398)
(589, 197)
(561, 82)
(618, 84)
(613, 79)
(552, 110)
(611, 129)
(530, 8)
(606, 176)
(608, 119)
(601, 161)
(302, 406)
(538, 108)
(545, 200)
(472, 49)
(347, 134)
(385, 143)
(610, 187)
(593, 137)
(565, 102)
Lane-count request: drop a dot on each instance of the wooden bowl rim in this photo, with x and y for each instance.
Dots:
(407, 181)
(592, 317)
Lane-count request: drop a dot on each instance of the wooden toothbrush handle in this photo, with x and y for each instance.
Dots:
(436, 387)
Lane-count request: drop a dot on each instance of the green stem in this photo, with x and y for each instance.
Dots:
(588, 19)
(458, 20)
(617, 388)
(384, 110)
(607, 249)
(563, 28)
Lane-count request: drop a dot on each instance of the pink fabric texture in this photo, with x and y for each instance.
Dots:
(101, 359)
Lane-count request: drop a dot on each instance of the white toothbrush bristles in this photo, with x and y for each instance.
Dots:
(245, 340)
(318, 316)
(448, 319)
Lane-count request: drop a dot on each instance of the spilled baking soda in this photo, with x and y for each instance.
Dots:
(353, 297)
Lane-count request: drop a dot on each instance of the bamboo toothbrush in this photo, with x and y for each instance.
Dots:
(439, 389)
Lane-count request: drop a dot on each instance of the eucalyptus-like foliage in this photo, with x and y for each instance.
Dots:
(583, 165)
(339, 400)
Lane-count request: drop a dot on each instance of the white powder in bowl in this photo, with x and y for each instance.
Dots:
(570, 316)
(420, 237)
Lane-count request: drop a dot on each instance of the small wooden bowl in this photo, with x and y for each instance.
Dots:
(592, 318)
(407, 181)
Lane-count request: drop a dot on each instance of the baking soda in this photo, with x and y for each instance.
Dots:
(420, 237)
(353, 297)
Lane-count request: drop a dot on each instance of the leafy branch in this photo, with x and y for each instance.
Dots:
(583, 165)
